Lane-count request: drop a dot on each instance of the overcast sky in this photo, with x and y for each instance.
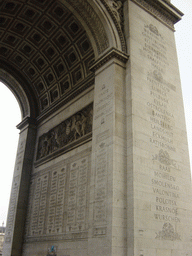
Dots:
(183, 37)
(11, 116)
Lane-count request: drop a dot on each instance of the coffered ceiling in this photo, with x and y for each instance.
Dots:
(45, 44)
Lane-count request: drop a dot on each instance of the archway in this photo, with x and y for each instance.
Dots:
(49, 55)
(10, 117)
(98, 133)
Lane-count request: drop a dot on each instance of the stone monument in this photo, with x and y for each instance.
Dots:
(102, 166)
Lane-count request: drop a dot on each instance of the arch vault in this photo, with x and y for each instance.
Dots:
(86, 122)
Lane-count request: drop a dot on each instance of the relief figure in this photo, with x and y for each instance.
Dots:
(66, 132)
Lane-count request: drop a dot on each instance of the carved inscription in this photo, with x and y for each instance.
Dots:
(161, 116)
(104, 105)
(154, 48)
(164, 183)
(166, 189)
(100, 210)
(20, 155)
(99, 231)
(13, 203)
(39, 205)
(77, 196)
(15, 189)
(58, 201)
(30, 208)
(66, 132)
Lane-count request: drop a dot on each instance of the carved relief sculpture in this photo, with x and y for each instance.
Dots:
(115, 7)
(66, 132)
(168, 233)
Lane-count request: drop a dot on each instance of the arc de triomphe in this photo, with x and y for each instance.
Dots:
(102, 165)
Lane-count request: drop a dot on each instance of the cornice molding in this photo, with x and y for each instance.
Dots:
(112, 53)
(162, 10)
(27, 122)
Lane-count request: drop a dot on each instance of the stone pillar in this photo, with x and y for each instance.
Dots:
(107, 217)
(19, 193)
(159, 205)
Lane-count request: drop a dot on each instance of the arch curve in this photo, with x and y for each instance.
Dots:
(115, 10)
(103, 20)
(49, 47)
(27, 110)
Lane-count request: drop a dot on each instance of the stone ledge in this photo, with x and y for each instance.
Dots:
(162, 10)
(112, 53)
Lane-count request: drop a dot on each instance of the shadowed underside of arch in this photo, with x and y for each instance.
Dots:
(90, 146)
(47, 49)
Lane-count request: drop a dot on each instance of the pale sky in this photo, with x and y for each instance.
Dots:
(11, 116)
(183, 37)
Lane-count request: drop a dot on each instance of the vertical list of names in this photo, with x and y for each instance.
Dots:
(77, 195)
(39, 205)
(56, 201)
(100, 211)
(162, 126)
(12, 208)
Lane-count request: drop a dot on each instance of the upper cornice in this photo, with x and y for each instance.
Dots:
(162, 10)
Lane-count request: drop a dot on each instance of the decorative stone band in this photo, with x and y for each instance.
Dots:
(115, 9)
(112, 53)
(70, 133)
(162, 10)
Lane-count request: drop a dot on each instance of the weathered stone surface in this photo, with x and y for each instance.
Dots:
(102, 165)
(160, 173)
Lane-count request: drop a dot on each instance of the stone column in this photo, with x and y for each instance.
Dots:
(107, 231)
(20, 185)
(159, 212)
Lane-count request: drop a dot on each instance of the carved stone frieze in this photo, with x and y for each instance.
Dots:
(115, 9)
(67, 132)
